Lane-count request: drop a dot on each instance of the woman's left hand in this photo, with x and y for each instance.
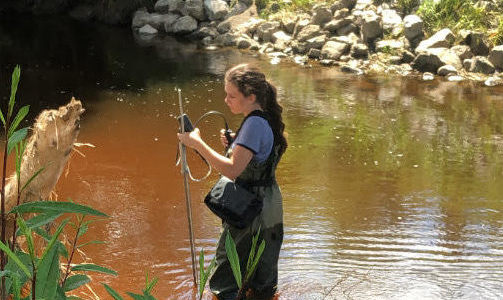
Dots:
(191, 139)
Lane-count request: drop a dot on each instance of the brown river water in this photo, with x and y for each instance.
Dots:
(392, 186)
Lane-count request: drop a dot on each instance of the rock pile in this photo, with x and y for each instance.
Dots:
(355, 34)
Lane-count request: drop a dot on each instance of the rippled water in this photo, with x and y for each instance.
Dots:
(392, 186)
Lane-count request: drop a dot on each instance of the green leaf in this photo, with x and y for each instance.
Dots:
(42, 219)
(2, 117)
(16, 74)
(232, 255)
(24, 230)
(256, 260)
(16, 286)
(48, 275)
(32, 177)
(91, 242)
(21, 114)
(83, 229)
(112, 292)
(93, 267)
(42, 233)
(54, 239)
(16, 137)
(136, 296)
(59, 207)
(15, 259)
(202, 280)
(75, 281)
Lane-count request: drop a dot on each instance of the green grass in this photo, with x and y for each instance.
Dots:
(458, 15)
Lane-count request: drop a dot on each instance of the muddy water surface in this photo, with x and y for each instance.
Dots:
(392, 187)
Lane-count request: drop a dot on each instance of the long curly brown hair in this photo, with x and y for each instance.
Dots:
(250, 80)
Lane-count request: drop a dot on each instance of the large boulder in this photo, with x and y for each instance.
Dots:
(321, 15)
(341, 4)
(266, 30)
(371, 27)
(184, 25)
(337, 24)
(195, 9)
(391, 21)
(477, 42)
(427, 61)
(216, 9)
(140, 18)
(481, 64)
(334, 50)
(308, 32)
(442, 39)
(496, 56)
(462, 51)
(413, 27)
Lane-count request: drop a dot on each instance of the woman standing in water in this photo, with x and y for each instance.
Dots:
(251, 161)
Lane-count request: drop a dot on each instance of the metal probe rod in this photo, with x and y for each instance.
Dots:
(184, 170)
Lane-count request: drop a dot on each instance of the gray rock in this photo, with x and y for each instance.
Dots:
(224, 27)
(328, 62)
(477, 42)
(226, 39)
(280, 36)
(237, 9)
(407, 57)
(140, 18)
(351, 69)
(299, 48)
(391, 20)
(265, 30)
(447, 56)
(371, 27)
(395, 60)
(314, 53)
(288, 25)
(427, 62)
(243, 43)
(359, 51)
(216, 9)
(316, 42)
(389, 46)
(334, 50)
(184, 25)
(467, 63)
(427, 76)
(168, 21)
(308, 32)
(195, 9)
(162, 6)
(442, 39)
(481, 64)
(496, 56)
(174, 6)
(321, 15)
(341, 13)
(447, 70)
(334, 25)
(147, 29)
(299, 26)
(462, 51)
(350, 28)
(204, 32)
(341, 4)
(413, 27)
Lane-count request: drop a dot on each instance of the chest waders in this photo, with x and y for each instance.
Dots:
(259, 178)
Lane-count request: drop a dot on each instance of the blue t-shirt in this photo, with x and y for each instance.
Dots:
(256, 135)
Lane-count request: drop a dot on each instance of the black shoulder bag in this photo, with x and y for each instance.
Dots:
(233, 203)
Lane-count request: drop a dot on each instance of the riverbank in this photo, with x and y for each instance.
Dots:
(357, 36)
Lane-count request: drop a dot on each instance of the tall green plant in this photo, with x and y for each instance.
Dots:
(253, 259)
(149, 286)
(12, 136)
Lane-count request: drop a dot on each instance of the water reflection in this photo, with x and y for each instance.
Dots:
(391, 185)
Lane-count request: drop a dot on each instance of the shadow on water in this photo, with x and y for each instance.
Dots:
(392, 186)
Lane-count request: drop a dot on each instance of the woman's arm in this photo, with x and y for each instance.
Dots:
(229, 167)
